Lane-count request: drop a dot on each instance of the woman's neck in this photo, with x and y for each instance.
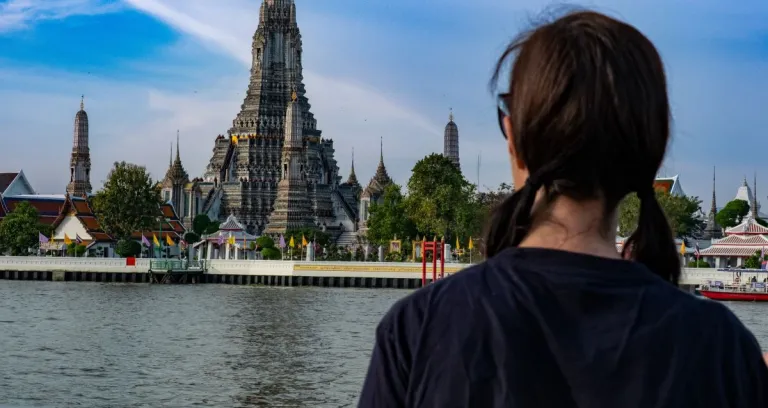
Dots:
(573, 226)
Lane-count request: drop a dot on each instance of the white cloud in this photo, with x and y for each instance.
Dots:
(351, 113)
(20, 14)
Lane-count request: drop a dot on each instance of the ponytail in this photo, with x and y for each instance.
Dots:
(652, 244)
(512, 219)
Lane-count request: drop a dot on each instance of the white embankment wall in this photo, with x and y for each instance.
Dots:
(405, 270)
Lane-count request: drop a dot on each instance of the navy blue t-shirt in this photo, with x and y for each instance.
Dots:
(546, 328)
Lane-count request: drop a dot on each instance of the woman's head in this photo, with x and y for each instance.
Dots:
(586, 116)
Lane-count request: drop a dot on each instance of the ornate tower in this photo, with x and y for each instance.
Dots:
(80, 163)
(713, 230)
(451, 141)
(292, 206)
(755, 206)
(246, 164)
(176, 179)
(352, 180)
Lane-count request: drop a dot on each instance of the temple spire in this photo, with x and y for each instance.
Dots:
(713, 207)
(352, 180)
(178, 157)
(170, 157)
(82, 102)
(754, 197)
(450, 115)
(381, 149)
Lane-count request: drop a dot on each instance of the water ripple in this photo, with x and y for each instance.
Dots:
(106, 345)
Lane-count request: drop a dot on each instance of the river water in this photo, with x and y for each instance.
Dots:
(122, 345)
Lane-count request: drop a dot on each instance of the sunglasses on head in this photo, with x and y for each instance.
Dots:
(502, 111)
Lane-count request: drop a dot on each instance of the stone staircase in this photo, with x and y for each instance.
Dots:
(347, 239)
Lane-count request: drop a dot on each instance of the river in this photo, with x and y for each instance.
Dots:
(118, 345)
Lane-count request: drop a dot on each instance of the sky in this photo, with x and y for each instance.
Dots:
(375, 68)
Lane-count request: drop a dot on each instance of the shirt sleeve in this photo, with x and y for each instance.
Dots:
(388, 378)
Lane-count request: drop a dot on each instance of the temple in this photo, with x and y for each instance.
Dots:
(712, 229)
(374, 192)
(80, 163)
(292, 207)
(247, 166)
(451, 141)
(184, 195)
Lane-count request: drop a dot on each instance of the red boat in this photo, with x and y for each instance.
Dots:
(750, 292)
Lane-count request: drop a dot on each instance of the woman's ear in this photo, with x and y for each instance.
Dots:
(519, 169)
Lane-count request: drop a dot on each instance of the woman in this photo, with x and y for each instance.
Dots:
(555, 317)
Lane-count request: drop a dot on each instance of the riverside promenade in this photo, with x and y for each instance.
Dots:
(406, 275)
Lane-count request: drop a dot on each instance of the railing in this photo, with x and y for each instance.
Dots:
(176, 265)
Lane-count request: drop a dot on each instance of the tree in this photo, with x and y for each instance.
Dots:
(732, 214)
(191, 237)
(680, 211)
(202, 225)
(388, 218)
(310, 234)
(128, 247)
(440, 200)
(754, 261)
(19, 230)
(128, 202)
(75, 249)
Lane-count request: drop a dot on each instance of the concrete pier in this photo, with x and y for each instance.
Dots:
(268, 273)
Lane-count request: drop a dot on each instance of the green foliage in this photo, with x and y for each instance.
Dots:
(191, 237)
(754, 261)
(440, 200)
(732, 214)
(271, 254)
(680, 212)
(699, 264)
(388, 218)
(75, 249)
(321, 237)
(128, 247)
(19, 230)
(265, 242)
(128, 202)
(202, 225)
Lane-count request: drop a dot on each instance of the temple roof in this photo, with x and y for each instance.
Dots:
(352, 180)
(81, 209)
(747, 227)
(230, 227)
(48, 207)
(176, 173)
(381, 179)
(670, 185)
(5, 180)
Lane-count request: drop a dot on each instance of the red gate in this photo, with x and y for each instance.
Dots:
(438, 250)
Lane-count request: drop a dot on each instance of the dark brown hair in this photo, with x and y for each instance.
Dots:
(590, 120)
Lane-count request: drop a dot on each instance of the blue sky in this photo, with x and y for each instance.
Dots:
(389, 68)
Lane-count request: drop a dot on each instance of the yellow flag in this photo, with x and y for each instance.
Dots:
(458, 246)
(682, 248)
(66, 239)
(471, 246)
(155, 241)
(169, 241)
(234, 139)
(303, 240)
(291, 243)
(231, 240)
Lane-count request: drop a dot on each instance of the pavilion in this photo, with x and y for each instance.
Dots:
(219, 244)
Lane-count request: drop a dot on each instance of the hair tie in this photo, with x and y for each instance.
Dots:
(534, 181)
